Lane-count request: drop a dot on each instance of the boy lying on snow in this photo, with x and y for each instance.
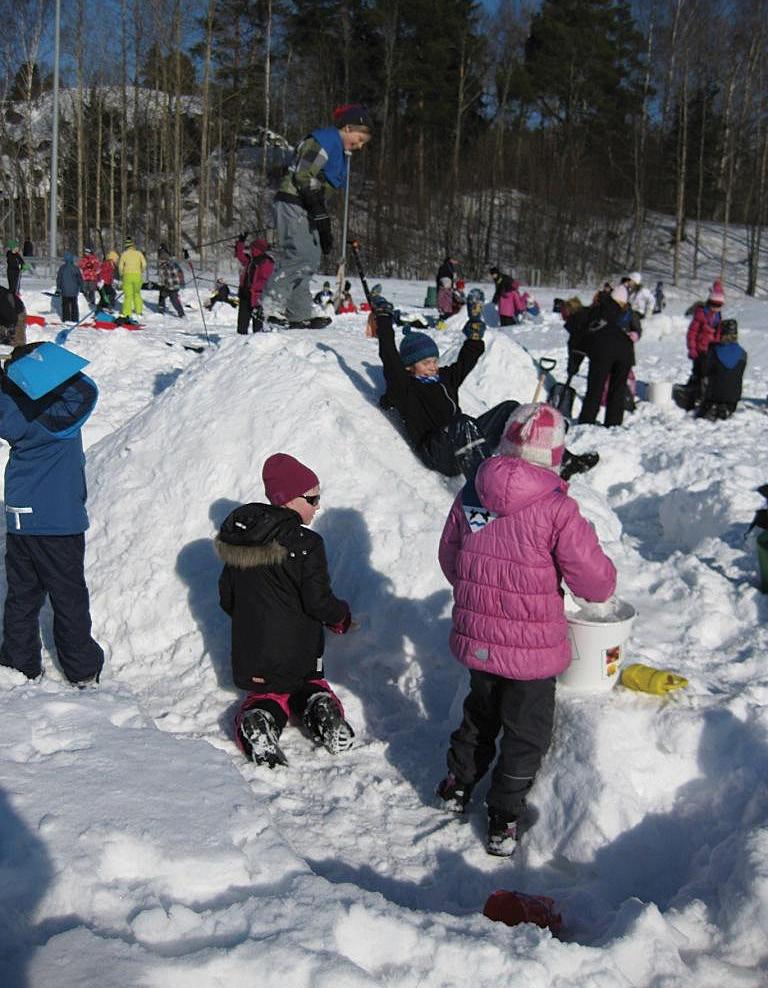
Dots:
(427, 397)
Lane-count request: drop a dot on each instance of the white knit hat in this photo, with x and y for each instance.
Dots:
(535, 433)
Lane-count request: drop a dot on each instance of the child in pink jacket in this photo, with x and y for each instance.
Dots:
(508, 543)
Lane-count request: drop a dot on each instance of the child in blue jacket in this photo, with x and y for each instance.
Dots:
(45, 496)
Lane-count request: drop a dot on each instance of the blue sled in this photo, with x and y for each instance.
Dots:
(44, 369)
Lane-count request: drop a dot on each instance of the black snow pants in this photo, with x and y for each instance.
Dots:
(523, 710)
(611, 356)
(463, 444)
(36, 565)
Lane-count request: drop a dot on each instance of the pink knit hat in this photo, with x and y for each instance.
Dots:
(716, 293)
(535, 433)
(285, 478)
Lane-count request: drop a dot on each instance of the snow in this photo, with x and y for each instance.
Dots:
(137, 847)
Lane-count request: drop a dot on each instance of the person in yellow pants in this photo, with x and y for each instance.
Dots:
(132, 267)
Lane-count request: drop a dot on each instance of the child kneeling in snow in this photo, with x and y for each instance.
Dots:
(505, 556)
(276, 588)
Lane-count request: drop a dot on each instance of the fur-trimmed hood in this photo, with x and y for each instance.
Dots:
(257, 535)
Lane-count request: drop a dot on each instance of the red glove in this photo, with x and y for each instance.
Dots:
(342, 627)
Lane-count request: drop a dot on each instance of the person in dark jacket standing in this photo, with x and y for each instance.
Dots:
(256, 266)
(301, 217)
(45, 496)
(14, 264)
(611, 358)
(69, 284)
(724, 366)
(577, 319)
(13, 319)
(276, 588)
(426, 396)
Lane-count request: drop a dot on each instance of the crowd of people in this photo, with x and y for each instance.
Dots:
(509, 627)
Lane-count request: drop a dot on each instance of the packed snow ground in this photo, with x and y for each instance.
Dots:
(137, 847)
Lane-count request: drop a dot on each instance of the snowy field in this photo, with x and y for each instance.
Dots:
(138, 848)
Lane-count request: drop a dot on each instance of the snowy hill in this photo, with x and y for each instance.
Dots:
(139, 848)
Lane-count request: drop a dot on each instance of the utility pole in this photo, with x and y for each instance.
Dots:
(54, 206)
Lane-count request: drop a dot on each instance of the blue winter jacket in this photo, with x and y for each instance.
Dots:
(69, 280)
(45, 490)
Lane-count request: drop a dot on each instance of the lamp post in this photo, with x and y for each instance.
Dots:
(55, 143)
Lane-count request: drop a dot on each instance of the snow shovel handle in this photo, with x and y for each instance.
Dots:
(355, 245)
(546, 366)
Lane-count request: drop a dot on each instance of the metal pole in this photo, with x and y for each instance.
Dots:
(341, 273)
(54, 206)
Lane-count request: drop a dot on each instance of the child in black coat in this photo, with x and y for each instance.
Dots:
(276, 588)
(724, 366)
(427, 397)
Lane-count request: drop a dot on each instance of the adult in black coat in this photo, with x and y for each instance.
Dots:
(501, 283)
(448, 269)
(14, 263)
(611, 358)
(577, 320)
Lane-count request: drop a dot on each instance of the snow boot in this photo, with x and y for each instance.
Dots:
(502, 836)
(325, 723)
(454, 795)
(261, 736)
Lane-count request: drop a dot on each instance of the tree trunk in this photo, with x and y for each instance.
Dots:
(267, 92)
(682, 159)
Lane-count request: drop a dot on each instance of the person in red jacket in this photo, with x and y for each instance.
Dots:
(506, 551)
(256, 266)
(107, 273)
(703, 331)
(90, 267)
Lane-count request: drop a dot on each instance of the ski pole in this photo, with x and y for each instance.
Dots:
(355, 245)
(342, 271)
(197, 292)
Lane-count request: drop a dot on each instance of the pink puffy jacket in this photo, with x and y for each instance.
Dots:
(703, 331)
(508, 614)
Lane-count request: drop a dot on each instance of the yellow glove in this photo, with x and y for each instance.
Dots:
(650, 680)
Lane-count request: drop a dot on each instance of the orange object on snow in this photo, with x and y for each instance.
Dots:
(514, 908)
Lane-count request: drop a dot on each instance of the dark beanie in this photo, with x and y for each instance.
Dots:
(353, 113)
(285, 478)
(417, 346)
(729, 329)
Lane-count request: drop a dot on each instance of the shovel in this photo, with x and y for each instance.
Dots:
(562, 396)
(546, 366)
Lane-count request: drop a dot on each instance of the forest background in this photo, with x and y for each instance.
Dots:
(563, 139)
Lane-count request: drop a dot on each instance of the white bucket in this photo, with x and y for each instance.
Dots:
(659, 393)
(597, 645)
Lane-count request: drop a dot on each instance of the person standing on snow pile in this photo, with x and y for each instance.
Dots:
(69, 284)
(90, 267)
(426, 396)
(45, 496)
(505, 561)
(723, 370)
(611, 358)
(256, 268)
(13, 319)
(301, 218)
(276, 589)
(132, 266)
(171, 280)
(107, 272)
(703, 331)
(14, 265)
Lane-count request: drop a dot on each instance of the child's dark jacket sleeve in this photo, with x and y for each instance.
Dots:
(226, 594)
(317, 598)
(395, 374)
(454, 374)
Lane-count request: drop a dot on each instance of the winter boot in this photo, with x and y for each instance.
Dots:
(325, 723)
(454, 795)
(502, 836)
(261, 736)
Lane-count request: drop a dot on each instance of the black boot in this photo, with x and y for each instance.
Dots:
(577, 463)
(325, 723)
